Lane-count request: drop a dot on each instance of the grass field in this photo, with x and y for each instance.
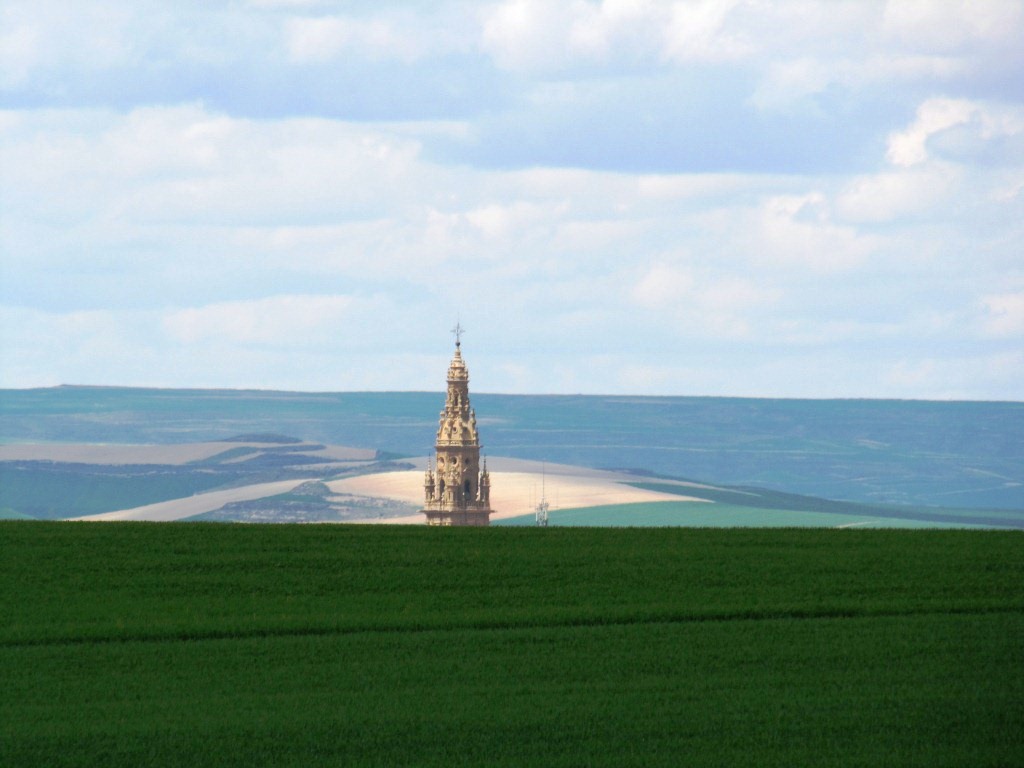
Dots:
(194, 644)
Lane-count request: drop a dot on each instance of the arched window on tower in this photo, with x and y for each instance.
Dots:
(469, 489)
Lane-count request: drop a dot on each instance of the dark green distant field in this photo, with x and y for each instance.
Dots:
(198, 644)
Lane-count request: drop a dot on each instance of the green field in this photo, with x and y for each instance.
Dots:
(700, 514)
(201, 644)
(746, 507)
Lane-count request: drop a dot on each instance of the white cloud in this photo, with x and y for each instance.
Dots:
(702, 305)
(663, 285)
(532, 35)
(39, 34)
(985, 122)
(788, 82)
(318, 39)
(909, 147)
(949, 25)
(697, 31)
(46, 348)
(503, 222)
(166, 164)
(526, 34)
(955, 377)
(276, 320)
(598, 29)
(797, 232)
(290, 4)
(209, 201)
(807, 50)
(321, 39)
(1004, 315)
(19, 52)
(898, 195)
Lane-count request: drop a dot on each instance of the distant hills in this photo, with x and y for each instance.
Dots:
(938, 462)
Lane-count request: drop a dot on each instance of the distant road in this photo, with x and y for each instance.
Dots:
(179, 509)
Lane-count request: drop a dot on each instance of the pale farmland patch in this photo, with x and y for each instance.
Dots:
(516, 488)
(174, 454)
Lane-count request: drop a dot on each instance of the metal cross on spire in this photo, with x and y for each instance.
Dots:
(458, 330)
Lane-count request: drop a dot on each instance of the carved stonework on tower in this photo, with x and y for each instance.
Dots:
(457, 487)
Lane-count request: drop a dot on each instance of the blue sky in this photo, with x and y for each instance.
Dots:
(694, 197)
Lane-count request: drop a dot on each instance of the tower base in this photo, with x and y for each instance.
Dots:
(477, 517)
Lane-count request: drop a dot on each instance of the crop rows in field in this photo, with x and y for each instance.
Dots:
(323, 645)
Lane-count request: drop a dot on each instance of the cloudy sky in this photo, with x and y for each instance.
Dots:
(802, 198)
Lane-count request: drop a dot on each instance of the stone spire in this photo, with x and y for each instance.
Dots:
(457, 489)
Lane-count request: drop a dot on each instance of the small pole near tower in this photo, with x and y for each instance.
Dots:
(458, 330)
(542, 508)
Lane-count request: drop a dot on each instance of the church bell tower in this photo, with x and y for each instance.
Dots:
(457, 488)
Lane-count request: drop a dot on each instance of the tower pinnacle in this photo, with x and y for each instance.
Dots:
(457, 489)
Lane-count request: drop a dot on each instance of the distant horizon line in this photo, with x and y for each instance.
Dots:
(270, 390)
